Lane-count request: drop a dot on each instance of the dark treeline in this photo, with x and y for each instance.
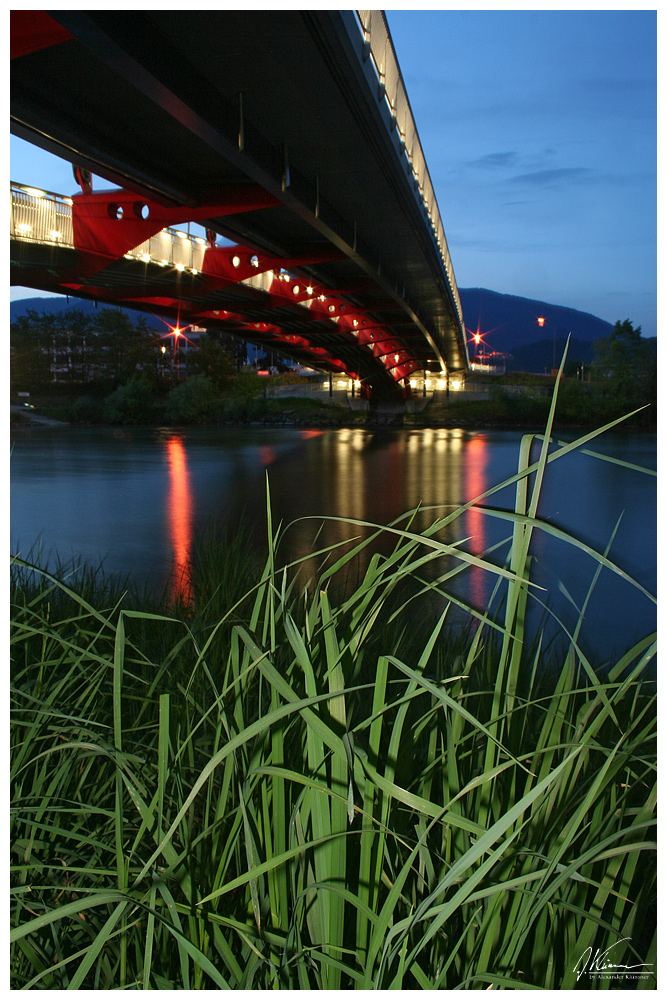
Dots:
(107, 367)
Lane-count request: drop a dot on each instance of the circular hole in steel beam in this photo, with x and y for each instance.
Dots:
(254, 260)
(141, 210)
(115, 210)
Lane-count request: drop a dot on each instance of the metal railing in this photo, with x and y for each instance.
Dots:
(377, 43)
(44, 217)
(40, 217)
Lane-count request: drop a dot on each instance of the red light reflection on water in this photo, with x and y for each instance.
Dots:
(179, 519)
(310, 434)
(475, 482)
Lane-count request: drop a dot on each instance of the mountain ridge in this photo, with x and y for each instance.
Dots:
(507, 324)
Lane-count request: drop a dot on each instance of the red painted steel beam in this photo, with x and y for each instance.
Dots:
(32, 30)
(111, 223)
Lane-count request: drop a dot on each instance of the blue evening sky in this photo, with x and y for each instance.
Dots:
(539, 129)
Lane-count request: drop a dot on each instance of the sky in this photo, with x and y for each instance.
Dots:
(539, 130)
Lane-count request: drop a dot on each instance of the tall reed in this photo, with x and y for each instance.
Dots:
(314, 788)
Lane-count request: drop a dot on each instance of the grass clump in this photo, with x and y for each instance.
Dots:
(311, 788)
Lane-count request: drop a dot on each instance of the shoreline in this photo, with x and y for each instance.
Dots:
(390, 422)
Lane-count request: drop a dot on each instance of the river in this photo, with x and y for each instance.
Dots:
(138, 498)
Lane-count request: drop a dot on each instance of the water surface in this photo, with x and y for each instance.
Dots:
(139, 498)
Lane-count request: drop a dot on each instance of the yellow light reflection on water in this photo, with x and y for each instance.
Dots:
(475, 461)
(180, 510)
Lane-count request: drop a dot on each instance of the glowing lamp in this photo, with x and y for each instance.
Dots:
(540, 320)
(477, 338)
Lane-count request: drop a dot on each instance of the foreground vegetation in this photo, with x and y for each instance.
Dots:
(314, 786)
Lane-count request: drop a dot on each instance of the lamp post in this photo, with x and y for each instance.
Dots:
(540, 320)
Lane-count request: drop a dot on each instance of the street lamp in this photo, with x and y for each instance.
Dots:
(540, 320)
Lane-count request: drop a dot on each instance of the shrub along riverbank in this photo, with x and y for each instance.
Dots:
(197, 400)
(280, 786)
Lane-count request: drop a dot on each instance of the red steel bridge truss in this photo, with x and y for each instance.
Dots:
(119, 248)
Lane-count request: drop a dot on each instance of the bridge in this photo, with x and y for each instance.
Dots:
(287, 135)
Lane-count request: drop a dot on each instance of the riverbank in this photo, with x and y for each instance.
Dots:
(475, 416)
(231, 790)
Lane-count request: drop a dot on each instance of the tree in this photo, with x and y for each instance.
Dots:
(30, 364)
(213, 360)
(624, 367)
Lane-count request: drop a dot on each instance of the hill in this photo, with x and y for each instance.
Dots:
(61, 303)
(508, 324)
(509, 321)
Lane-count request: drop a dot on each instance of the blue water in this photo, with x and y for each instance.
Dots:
(138, 498)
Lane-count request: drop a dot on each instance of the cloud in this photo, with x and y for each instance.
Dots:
(548, 178)
(493, 160)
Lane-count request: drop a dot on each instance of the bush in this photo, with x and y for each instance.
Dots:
(194, 401)
(133, 403)
(87, 410)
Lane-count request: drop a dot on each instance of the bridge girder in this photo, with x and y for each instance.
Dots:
(199, 81)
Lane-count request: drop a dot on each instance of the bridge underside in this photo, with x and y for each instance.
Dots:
(184, 108)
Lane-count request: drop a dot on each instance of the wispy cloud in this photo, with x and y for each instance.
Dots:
(550, 178)
(494, 160)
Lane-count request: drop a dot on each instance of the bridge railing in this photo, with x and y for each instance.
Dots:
(40, 216)
(392, 89)
(44, 217)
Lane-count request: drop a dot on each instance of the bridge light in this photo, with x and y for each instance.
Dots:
(413, 383)
(540, 320)
(441, 383)
(236, 261)
(55, 234)
(177, 332)
(355, 322)
(296, 289)
(180, 267)
(456, 384)
(35, 192)
(163, 349)
(309, 289)
(23, 227)
(195, 271)
(146, 257)
(427, 383)
(396, 357)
